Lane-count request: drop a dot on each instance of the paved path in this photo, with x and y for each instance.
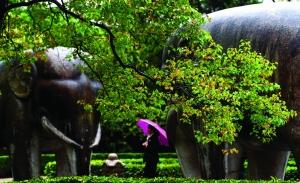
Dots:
(2, 180)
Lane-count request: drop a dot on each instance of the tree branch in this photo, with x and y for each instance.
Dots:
(3, 6)
(93, 23)
(98, 24)
(78, 47)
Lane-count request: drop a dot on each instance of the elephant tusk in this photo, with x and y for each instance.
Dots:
(97, 138)
(47, 125)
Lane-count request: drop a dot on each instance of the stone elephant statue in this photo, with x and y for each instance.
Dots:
(274, 31)
(48, 105)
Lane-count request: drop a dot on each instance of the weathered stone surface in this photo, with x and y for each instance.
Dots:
(274, 31)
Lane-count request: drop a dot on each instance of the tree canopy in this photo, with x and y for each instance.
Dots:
(124, 40)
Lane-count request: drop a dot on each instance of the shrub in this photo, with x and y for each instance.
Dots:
(5, 170)
(291, 173)
(46, 158)
(131, 155)
(5, 164)
(133, 168)
(5, 167)
(168, 167)
(140, 161)
(50, 169)
(96, 179)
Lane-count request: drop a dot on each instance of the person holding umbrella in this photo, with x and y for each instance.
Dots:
(151, 157)
(155, 136)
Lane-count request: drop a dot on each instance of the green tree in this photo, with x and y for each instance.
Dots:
(121, 41)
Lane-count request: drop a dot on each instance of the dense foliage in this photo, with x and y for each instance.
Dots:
(121, 42)
(229, 87)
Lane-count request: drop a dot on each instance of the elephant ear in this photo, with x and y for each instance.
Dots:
(21, 79)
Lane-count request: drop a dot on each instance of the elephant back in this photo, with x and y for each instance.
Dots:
(274, 31)
(271, 28)
(58, 63)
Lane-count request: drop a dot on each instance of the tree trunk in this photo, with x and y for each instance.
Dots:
(3, 6)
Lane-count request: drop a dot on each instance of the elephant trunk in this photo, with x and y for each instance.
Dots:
(83, 161)
(86, 137)
(88, 133)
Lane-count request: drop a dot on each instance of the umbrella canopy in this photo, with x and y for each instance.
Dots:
(162, 137)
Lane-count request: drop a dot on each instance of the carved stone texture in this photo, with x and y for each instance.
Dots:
(113, 166)
(43, 109)
(274, 31)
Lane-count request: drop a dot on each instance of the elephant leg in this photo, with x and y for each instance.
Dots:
(24, 148)
(233, 161)
(182, 137)
(196, 160)
(266, 163)
(25, 155)
(20, 161)
(66, 161)
(35, 156)
(210, 157)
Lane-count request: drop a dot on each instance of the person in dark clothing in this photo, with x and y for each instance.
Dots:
(151, 157)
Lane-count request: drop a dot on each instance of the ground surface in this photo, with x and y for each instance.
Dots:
(2, 180)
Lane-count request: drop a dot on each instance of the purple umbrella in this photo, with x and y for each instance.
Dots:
(162, 137)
